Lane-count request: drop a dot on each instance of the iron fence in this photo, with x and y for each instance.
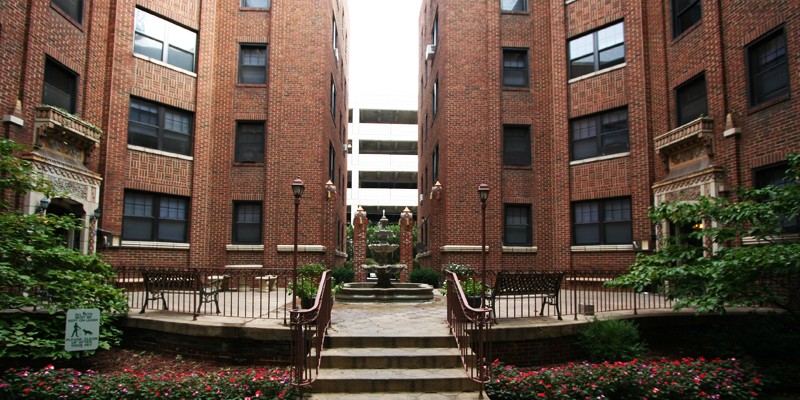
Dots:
(309, 327)
(237, 292)
(471, 327)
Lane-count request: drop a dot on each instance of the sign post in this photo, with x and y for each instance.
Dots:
(83, 330)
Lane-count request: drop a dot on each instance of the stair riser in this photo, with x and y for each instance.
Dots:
(389, 342)
(395, 385)
(345, 362)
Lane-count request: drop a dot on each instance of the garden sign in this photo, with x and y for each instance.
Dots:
(83, 329)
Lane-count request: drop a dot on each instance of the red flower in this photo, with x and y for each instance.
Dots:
(26, 390)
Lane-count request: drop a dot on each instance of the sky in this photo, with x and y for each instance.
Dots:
(384, 37)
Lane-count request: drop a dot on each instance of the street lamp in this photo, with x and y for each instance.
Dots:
(297, 190)
(43, 204)
(483, 192)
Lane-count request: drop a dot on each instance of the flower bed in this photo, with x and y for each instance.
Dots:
(51, 383)
(687, 378)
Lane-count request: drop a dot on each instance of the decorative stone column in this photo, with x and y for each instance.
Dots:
(360, 224)
(406, 243)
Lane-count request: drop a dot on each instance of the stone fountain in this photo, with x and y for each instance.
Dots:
(384, 290)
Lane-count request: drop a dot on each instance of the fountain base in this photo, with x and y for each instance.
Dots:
(399, 293)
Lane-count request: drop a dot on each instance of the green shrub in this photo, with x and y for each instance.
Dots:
(611, 340)
(424, 275)
(311, 269)
(463, 271)
(343, 274)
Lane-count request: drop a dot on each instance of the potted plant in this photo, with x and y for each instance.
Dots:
(472, 289)
(307, 283)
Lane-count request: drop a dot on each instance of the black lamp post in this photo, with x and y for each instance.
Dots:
(297, 190)
(483, 192)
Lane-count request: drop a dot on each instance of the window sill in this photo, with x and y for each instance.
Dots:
(600, 158)
(165, 65)
(785, 238)
(769, 103)
(520, 249)
(249, 9)
(301, 248)
(251, 85)
(596, 73)
(509, 12)
(461, 249)
(516, 88)
(132, 244)
(518, 167)
(601, 247)
(244, 247)
(159, 152)
(248, 164)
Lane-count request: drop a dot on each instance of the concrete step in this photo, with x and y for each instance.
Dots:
(443, 340)
(423, 380)
(408, 357)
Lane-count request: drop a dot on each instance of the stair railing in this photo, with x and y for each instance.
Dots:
(308, 328)
(471, 327)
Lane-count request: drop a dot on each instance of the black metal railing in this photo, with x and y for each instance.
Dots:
(308, 328)
(239, 292)
(471, 327)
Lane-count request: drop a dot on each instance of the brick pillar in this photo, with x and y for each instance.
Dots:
(360, 224)
(406, 243)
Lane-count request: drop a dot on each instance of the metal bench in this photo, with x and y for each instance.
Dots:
(157, 283)
(538, 284)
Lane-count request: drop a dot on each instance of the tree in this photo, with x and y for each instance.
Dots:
(41, 278)
(704, 269)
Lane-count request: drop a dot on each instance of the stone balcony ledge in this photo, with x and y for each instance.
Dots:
(51, 120)
(699, 129)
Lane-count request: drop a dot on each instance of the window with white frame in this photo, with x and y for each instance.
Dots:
(254, 3)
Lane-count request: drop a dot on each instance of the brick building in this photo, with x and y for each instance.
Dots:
(581, 114)
(185, 122)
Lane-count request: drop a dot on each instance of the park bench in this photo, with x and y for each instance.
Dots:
(534, 284)
(157, 283)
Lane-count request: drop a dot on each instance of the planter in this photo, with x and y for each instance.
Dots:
(474, 301)
(307, 303)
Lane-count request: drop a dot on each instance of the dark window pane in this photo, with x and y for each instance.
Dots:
(685, 13)
(247, 223)
(515, 67)
(180, 58)
(692, 100)
(73, 8)
(517, 225)
(598, 50)
(159, 127)
(612, 56)
(253, 64)
(587, 234)
(618, 233)
(584, 149)
(768, 68)
(249, 142)
(516, 146)
(137, 228)
(255, 3)
(581, 66)
(172, 231)
(602, 222)
(601, 134)
(60, 86)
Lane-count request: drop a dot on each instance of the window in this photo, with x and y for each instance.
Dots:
(333, 99)
(691, 99)
(253, 64)
(776, 175)
(599, 135)
(154, 217)
(685, 13)
(516, 145)
(331, 162)
(517, 225)
(247, 222)
(160, 127)
(249, 142)
(435, 30)
(435, 97)
(768, 69)
(73, 8)
(602, 222)
(254, 3)
(515, 67)
(165, 41)
(435, 164)
(513, 5)
(60, 87)
(597, 50)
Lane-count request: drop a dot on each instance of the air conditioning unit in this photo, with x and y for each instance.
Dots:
(430, 50)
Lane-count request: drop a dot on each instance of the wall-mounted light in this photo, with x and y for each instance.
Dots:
(330, 188)
(43, 204)
(96, 215)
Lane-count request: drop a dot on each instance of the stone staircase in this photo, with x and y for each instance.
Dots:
(378, 365)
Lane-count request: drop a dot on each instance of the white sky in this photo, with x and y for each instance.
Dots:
(384, 37)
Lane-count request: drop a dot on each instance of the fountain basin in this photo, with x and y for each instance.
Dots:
(368, 292)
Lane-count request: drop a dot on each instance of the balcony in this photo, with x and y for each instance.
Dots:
(64, 127)
(687, 135)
